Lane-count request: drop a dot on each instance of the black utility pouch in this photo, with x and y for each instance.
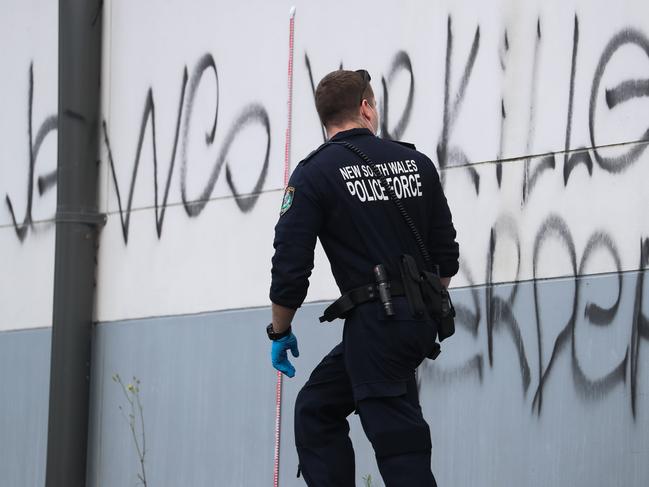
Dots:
(411, 285)
(431, 288)
(446, 326)
(425, 288)
(438, 303)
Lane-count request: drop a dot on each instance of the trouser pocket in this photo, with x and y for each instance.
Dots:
(394, 424)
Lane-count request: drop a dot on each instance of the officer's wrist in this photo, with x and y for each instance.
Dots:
(281, 317)
(274, 334)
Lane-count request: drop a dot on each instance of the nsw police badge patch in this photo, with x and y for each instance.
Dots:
(288, 200)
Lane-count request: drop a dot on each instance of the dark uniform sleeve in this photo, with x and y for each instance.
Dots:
(443, 248)
(295, 239)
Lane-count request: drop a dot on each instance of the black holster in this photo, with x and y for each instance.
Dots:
(427, 296)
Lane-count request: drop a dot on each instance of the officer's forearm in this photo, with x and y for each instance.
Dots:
(282, 317)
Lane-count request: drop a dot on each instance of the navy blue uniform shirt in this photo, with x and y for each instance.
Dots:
(333, 195)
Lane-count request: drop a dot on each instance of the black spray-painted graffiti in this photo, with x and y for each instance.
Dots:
(251, 114)
(449, 155)
(498, 314)
(45, 182)
(445, 151)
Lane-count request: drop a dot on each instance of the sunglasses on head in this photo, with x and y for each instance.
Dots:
(366, 81)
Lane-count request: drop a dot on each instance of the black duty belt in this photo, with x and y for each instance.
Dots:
(356, 296)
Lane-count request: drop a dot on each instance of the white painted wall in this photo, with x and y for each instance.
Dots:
(220, 257)
(29, 58)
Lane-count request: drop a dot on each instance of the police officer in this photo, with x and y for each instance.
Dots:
(336, 196)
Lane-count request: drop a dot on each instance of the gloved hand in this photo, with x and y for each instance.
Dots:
(279, 356)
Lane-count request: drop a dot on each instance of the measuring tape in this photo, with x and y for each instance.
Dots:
(287, 152)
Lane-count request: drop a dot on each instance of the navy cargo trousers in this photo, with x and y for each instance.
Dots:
(372, 372)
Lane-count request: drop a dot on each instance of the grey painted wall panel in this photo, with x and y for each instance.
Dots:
(208, 399)
(486, 426)
(24, 401)
(209, 405)
(208, 394)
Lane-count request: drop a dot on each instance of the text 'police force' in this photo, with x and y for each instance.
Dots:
(403, 176)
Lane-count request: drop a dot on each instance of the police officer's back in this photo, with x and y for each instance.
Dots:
(336, 196)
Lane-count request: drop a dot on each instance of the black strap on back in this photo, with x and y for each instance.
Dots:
(395, 199)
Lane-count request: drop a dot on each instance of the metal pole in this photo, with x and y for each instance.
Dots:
(77, 226)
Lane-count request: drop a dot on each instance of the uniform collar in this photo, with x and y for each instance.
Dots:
(351, 133)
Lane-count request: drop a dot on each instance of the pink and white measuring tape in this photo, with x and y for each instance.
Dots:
(287, 153)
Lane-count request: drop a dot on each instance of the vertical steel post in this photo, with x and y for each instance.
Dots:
(77, 226)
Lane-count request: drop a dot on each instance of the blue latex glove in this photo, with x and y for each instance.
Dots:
(279, 356)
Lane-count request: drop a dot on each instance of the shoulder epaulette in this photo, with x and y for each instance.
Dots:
(313, 153)
(406, 144)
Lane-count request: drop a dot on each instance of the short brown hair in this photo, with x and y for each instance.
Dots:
(338, 96)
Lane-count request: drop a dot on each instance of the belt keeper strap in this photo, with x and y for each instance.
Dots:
(339, 307)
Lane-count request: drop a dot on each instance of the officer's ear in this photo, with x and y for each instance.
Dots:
(366, 110)
(369, 114)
